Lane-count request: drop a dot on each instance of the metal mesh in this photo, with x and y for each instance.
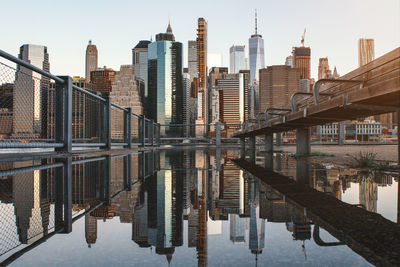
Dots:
(87, 118)
(134, 128)
(117, 125)
(26, 206)
(25, 105)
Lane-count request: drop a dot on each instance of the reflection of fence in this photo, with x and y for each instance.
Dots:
(37, 201)
(38, 113)
(216, 133)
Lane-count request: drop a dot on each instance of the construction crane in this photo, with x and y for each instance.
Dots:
(302, 37)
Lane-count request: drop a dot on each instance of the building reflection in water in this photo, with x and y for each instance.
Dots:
(201, 187)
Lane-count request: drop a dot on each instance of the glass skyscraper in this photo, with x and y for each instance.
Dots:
(30, 94)
(236, 59)
(165, 86)
(256, 60)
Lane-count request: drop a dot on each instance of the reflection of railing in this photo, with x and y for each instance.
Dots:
(64, 115)
(66, 184)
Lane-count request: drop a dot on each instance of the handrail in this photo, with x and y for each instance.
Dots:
(317, 85)
(88, 93)
(119, 107)
(29, 66)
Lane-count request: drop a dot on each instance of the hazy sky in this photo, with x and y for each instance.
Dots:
(333, 28)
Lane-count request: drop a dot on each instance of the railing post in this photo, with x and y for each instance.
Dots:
(63, 114)
(218, 133)
(158, 140)
(142, 130)
(107, 123)
(252, 148)
(128, 128)
(127, 172)
(151, 133)
(242, 147)
(340, 132)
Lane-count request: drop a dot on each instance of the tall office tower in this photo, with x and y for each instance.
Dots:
(233, 97)
(236, 58)
(256, 58)
(30, 94)
(91, 60)
(192, 60)
(202, 69)
(140, 64)
(366, 51)
(215, 73)
(6, 109)
(237, 228)
(165, 93)
(277, 84)
(323, 68)
(103, 78)
(186, 102)
(301, 60)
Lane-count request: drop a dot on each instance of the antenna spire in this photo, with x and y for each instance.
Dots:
(256, 20)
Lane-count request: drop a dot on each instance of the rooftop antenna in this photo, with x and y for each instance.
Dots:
(90, 42)
(256, 20)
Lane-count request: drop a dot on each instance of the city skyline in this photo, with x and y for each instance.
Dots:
(335, 39)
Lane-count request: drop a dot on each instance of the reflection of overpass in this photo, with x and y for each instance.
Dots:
(369, 90)
(368, 234)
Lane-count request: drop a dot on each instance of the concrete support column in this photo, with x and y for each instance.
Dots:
(340, 134)
(269, 142)
(303, 146)
(252, 148)
(242, 148)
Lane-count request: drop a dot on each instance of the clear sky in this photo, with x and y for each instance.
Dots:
(333, 28)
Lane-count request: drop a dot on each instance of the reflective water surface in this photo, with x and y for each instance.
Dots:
(193, 207)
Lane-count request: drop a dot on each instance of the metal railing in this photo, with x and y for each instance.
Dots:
(41, 110)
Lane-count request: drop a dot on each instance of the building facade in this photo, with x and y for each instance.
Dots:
(277, 84)
(366, 51)
(139, 63)
(256, 62)
(192, 60)
(236, 58)
(30, 94)
(301, 60)
(165, 93)
(202, 69)
(91, 62)
(103, 78)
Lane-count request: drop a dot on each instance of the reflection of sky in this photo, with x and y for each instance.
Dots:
(115, 247)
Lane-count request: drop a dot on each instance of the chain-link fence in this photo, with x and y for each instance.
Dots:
(25, 105)
(34, 194)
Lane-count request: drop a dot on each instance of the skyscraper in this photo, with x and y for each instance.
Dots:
(366, 51)
(202, 69)
(186, 102)
(165, 86)
(256, 53)
(91, 60)
(233, 97)
(256, 60)
(277, 84)
(236, 58)
(30, 94)
(192, 60)
(140, 64)
(323, 68)
(103, 79)
(301, 60)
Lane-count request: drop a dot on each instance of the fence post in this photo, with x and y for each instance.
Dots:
(107, 179)
(151, 133)
(218, 134)
(128, 128)
(63, 114)
(158, 140)
(107, 122)
(143, 128)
